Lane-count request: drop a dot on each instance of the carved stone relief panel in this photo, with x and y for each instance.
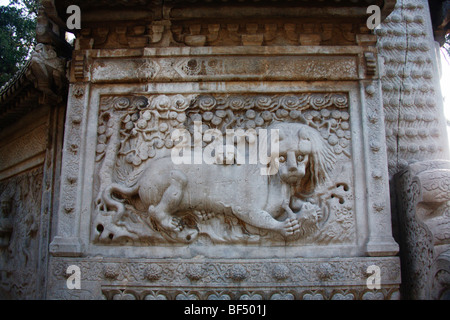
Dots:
(20, 198)
(142, 197)
(114, 191)
(122, 187)
(216, 157)
(225, 67)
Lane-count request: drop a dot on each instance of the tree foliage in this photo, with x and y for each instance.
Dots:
(17, 35)
(446, 45)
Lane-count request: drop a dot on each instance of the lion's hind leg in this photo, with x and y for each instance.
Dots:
(110, 202)
(162, 213)
(264, 220)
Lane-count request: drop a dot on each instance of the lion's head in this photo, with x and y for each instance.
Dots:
(304, 158)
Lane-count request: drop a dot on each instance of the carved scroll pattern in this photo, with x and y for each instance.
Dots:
(135, 131)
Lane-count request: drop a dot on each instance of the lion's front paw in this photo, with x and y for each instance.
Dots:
(290, 227)
(175, 224)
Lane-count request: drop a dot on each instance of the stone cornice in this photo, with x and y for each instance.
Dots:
(151, 10)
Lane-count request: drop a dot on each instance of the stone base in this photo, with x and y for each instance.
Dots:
(232, 279)
(66, 247)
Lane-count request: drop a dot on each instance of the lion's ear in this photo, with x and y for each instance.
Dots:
(302, 133)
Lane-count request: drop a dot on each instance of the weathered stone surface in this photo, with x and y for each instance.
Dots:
(228, 151)
(322, 193)
(20, 199)
(424, 224)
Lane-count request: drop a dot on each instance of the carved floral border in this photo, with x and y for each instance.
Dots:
(221, 279)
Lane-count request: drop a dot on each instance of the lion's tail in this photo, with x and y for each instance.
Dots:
(118, 205)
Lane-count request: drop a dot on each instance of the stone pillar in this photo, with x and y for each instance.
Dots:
(67, 241)
(416, 140)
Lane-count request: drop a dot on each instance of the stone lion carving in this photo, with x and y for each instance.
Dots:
(47, 71)
(169, 190)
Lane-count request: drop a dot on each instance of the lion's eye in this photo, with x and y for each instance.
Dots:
(300, 157)
(282, 159)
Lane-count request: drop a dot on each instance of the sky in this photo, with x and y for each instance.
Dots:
(445, 86)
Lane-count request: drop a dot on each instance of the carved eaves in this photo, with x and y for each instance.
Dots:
(41, 81)
(151, 10)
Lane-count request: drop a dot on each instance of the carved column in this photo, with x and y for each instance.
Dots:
(380, 240)
(67, 241)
